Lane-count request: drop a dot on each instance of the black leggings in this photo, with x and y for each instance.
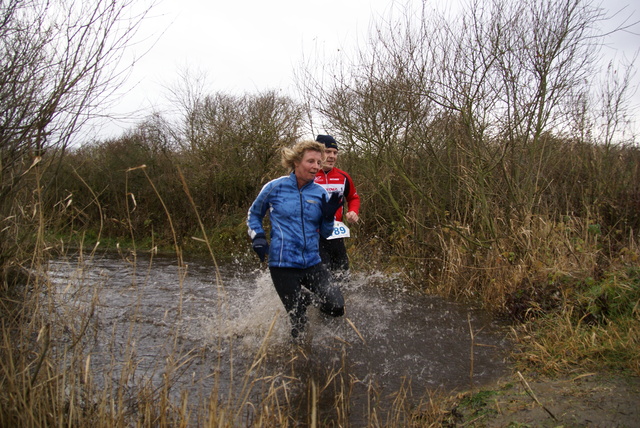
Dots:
(289, 283)
(334, 254)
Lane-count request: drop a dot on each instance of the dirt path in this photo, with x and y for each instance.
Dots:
(589, 400)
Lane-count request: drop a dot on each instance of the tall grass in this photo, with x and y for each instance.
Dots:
(574, 295)
(597, 326)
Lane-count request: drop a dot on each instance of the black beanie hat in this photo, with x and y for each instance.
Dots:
(328, 141)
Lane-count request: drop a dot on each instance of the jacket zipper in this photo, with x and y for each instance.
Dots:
(304, 236)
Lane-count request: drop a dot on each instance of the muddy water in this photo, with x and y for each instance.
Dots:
(209, 330)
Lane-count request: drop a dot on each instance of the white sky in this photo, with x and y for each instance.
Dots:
(243, 46)
(248, 46)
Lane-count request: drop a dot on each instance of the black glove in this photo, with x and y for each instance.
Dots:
(260, 246)
(330, 207)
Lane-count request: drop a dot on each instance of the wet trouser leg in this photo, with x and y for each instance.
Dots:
(328, 294)
(334, 256)
(289, 283)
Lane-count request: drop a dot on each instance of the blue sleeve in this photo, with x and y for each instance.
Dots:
(326, 227)
(258, 210)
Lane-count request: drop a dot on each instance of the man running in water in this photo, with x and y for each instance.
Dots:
(332, 249)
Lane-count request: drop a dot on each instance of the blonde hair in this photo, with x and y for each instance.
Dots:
(291, 155)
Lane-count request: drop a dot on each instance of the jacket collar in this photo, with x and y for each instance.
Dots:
(294, 180)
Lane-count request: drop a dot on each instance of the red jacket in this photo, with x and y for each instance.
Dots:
(336, 180)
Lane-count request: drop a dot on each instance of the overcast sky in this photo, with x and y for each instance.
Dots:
(254, 45)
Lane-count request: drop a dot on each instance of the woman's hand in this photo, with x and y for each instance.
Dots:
(260, 246)
(329, 207)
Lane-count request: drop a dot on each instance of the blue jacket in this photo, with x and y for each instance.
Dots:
(296, 221)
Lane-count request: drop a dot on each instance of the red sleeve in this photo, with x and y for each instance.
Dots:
(353, 200)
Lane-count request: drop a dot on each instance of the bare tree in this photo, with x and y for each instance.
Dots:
(57, 61)
(227, 135)
(475, 97)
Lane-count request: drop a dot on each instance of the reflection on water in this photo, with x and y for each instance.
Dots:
(210, 324)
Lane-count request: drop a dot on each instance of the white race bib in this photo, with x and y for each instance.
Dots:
(340, 230)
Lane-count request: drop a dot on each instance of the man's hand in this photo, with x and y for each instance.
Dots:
(352, 217)
(260, 246)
